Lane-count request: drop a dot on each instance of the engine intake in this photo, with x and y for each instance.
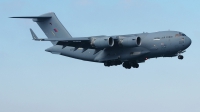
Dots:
(102, 42)
(129, 41)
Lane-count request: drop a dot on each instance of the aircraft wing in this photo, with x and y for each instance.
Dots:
(56, 39)
(83, 42)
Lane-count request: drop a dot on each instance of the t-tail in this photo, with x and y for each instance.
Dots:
(50, 25)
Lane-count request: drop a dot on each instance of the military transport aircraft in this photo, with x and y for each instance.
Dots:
(125, 50)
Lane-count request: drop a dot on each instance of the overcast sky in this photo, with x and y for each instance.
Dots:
(32, 80)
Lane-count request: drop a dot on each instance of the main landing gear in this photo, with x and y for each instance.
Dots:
(112, 63)
(180, 57)
(128, 65)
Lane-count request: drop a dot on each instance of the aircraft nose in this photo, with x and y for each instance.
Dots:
(188, 42)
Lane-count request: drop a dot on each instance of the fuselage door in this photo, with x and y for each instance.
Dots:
(169, 46)
(163, 47)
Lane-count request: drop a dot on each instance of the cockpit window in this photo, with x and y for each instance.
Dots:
(180, 34)
(183, 34)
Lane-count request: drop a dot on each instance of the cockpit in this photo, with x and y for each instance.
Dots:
(180, 34)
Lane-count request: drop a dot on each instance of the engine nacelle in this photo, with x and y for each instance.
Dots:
(129, 41)
(102, 42)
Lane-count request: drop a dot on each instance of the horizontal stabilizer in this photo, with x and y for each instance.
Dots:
(34, 17)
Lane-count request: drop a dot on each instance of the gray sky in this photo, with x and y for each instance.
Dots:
(32, 80)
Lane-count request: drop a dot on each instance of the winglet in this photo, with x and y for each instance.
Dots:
(34, 35)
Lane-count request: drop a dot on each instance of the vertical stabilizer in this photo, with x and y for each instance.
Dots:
(52, 27)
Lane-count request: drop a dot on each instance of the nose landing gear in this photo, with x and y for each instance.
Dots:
(180, 57)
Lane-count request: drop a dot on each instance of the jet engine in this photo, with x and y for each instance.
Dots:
(102, 42)
(129, 41)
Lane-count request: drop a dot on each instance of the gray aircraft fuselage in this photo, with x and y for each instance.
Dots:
(153, 45)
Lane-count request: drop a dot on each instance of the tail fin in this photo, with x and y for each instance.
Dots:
(50, 25)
